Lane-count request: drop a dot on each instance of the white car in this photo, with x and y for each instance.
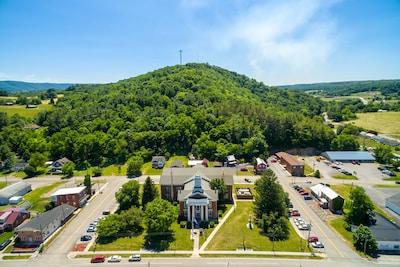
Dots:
(317, 244)
(135, 257)
(114, 258)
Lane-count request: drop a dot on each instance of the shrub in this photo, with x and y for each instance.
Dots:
(183, 224)
(211, 224)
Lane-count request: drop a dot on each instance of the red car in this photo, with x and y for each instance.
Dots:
(97, 259)
(303, 193)
(295, 213)
(312, 239)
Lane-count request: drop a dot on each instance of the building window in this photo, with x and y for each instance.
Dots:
(210, 212)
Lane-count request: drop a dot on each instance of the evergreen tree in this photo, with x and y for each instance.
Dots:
(150, 192)
(88, 184)
(270, 206)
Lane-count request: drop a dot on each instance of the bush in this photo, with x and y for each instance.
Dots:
(220, 212)
(97, 172)
(317, 174)
(211, 224)
(183, 224)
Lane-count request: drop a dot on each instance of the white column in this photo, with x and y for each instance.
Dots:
(206, 212)
(202, 212)
(188, 214)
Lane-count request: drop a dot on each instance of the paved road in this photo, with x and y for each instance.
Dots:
(336, 249)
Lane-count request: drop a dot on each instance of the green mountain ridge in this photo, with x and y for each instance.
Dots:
(18, 86)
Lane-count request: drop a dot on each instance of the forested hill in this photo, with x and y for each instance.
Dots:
(16, 86)
(388, 88)
(195, 108)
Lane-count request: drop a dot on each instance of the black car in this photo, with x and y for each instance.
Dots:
(86, 238)
(4, 244)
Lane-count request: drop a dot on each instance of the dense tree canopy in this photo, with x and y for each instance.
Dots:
(195, 108)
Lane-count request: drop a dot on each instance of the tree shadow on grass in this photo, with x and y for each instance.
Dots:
(158, 241)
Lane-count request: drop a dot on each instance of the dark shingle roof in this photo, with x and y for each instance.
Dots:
(42, 220)
(181, 175)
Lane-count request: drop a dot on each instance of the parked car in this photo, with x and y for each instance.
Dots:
(303, 193)
(307, 197)
(312, 239)
(303, 226)
(308, 182)
(135, 257)
(86, 238)
(115, 258)
(317, 244)
(91, 229)
(244, 169)
(4, 244)
(106, 212)
(97, 259)
(295, 213)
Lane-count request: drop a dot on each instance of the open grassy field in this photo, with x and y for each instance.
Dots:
(382, 122)
(23, 111)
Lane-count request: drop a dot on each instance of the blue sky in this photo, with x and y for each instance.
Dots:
(274, 41)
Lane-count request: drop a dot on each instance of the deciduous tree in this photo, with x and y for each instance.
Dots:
(159, 216)
(128, 196)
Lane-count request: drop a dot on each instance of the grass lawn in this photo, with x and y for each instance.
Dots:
(382, 122)
(37, 199)
(24, 112)
(235, 233)
(386, 186)
(344, 177)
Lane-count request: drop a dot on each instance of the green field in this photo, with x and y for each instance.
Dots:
(23, 111)
(382, 122)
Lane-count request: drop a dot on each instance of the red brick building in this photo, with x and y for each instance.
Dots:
(294, 166)
(10, 218)
(74, 196)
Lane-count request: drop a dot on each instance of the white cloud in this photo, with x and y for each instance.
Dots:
(296, 36)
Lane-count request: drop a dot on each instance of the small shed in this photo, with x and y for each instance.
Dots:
(15, 200)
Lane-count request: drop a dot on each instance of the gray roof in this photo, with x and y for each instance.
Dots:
(14, 189)
(385, 230)
(189, 192)
(348, 155)
(182, 175)
(395, 200)
(42, 220)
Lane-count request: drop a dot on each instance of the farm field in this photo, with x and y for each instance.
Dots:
(23, 111)
(382, 122)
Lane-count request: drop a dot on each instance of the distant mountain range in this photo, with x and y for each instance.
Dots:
(16, 86)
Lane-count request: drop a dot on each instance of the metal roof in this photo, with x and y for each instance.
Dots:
(14, 189)
(348, 155)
